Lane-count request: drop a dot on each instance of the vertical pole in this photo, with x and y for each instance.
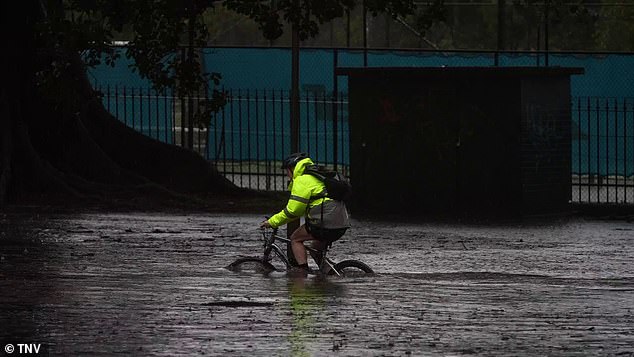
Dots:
(133, 112)
(199, 118)
(249, 156)
(598, 126)
(282, 126)
(240, 149)
(501, 25)
(149, 112)
(292, 226)
(307, 98)
(365, 36)
(190, 121)
(165, 111)
(316, 109)
(325, 136)
(589, 114)
(546, 21)
(173, 116)
(607, 150)
(342, 114)
(116, 101)
(295, 91)
(257, 140)
(347, 28)
(225, 135)
(141, 109)
(183, 106)
(190, 60)
(539, 44)
(625, 150)
(274, 136)
(156, 100)
(335, 89)
(266, 143)
(125, 107)
(579, 146)
(616, 150)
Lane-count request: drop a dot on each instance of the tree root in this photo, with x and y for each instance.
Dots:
(72, 147)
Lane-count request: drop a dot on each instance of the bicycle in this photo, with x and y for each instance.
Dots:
(327, 266)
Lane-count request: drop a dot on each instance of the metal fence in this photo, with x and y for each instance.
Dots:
(249, 136)
(603, 150)
(247, 139)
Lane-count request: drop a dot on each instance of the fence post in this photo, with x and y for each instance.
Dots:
(173, 115)
(149, 112)
(335, 96)
(266, 145)
(133, 112)
(165, 111)
(156, 99)
(292, 226)
(116, 101)
(365, 35)
(125, 107)
(598, 183)
(625, 175)
(588, 110)
(257, 139)
(501, 24)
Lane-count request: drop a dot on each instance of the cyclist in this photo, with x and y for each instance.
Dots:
(326, 219)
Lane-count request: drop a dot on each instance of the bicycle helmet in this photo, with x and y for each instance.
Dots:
(293, 159)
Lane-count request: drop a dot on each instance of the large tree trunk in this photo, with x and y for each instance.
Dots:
(66, 145)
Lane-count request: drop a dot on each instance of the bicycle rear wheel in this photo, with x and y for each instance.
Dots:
(352, 268)
(251, 265)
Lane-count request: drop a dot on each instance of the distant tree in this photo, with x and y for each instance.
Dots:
(614, 29)
(570, 25)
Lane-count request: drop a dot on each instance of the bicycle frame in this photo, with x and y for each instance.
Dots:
(325, 264)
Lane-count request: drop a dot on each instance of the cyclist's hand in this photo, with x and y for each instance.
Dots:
(265, 224)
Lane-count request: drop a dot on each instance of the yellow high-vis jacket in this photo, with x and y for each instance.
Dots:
(307, 198)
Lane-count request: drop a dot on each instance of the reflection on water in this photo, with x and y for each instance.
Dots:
(309, 299)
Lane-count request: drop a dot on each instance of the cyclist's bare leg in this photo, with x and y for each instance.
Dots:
(297, 244)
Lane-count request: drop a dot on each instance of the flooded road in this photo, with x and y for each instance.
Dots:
(154, 284)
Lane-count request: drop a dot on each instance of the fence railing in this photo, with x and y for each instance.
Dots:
(603, 150)
(249, 136)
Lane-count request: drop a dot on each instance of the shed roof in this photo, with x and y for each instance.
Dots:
(460, 71)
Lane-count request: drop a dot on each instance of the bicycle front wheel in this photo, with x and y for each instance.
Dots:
(251, 265)
(352, 268)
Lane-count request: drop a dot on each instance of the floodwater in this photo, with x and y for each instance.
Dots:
(155, 284)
